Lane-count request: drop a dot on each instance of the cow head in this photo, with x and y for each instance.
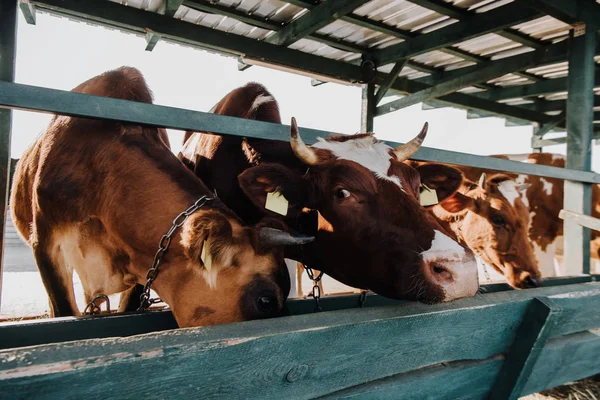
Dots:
(372, 231)
(228, 272)
(491, 219)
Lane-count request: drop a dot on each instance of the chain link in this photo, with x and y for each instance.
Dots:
(92, 309)
(316, 290)
(163, 247)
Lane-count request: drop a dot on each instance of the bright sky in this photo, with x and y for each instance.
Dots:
(58, 53)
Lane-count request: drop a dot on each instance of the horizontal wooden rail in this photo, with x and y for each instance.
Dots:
(32, 98)
(304, 356)
(580, 219)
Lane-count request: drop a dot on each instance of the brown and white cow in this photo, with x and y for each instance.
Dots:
(544, 199)
(96, 197)
(353, 193)
(489, 217)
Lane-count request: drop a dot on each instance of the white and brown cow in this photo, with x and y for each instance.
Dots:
(544, 199)
(353, 193)
(96, 196)
(491, 219)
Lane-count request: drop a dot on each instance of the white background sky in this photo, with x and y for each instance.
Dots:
(60, 54)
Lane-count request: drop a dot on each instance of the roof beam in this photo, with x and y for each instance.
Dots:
(441, 7)
(134, 20)
(569, 11)
(317, 18)
(28, 11)
(474, 25)
(171, 7)
(483, 73)
(535, 89)
(389, 81)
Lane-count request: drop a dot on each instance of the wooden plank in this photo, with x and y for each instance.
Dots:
(385, 86)
(538, 324)
(76, 104)
(301, 357)
(579, 312)
(152, 39)
(8, 49)
(569, 11)
(580, 110)
(28, 11)
(565, 359)
(367, 108)
(580, 219)
(461, 380)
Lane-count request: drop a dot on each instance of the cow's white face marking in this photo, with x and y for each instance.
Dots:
(547, 186)
(443, 247)
(509, 191)
(368, 152)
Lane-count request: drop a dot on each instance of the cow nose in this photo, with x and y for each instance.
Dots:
(267, 304)
(531, 282)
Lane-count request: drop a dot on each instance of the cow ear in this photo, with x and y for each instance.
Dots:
(277, 183)
(499, 178)
(457, 203)
(444, 179)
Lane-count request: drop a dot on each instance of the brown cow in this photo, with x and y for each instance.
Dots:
(544, 199)
(490, 218)
(96, 196)
(353, 193)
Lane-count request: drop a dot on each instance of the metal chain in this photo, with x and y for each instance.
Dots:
(316, 290)
(163, 247)
(92, 309)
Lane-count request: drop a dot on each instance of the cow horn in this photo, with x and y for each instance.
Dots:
(271, 237)
(482, 181)
(407, 150)
(304, 153)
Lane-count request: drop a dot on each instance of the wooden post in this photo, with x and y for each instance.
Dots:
(8, 47)
(580, 104)
(367, 113)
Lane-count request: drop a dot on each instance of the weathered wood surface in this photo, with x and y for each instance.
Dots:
(34, 332)
(456, 380)
(565, 359)
(303, 356)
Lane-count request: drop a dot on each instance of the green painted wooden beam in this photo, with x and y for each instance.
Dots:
(481, 74)
(387, 84)
(152, 39)
(8, 54)
(367, 109)
(28, 11)
(172, 6)
(27, 97)
(320, 16)
(238, 353)
(475, 25)
(241, 65)
(536, 328)
(569, 11)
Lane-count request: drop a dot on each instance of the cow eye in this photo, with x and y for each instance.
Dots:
(342, 193)
(498, 220)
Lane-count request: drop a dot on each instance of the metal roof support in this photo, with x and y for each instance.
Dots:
(367, 110)
(537, 142)
(172, 6)
(482, 73)
(568, 11)
(28, 11)
(389, 81)
(317, 18)
(151, 39)
(8, 50)
(242, 66)
(580, 110)
(476, 25)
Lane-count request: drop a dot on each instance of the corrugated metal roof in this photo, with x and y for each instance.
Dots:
(346, 39)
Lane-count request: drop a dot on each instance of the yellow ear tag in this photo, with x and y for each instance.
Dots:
(277, 203)
(428, 196)
(206, 257)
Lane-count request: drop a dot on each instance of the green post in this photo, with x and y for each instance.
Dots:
(580, 110)
(367, 112)
(8, 47)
